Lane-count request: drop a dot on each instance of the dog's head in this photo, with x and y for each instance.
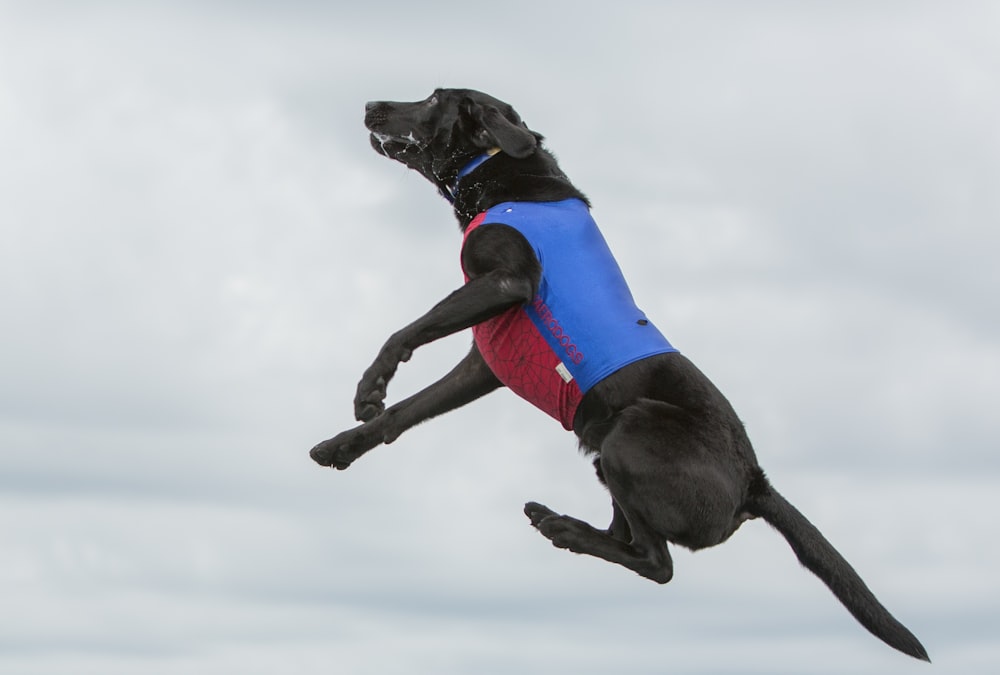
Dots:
(443, 133)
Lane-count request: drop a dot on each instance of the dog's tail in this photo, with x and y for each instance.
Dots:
(823, 560)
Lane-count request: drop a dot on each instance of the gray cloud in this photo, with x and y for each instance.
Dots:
(802, 196)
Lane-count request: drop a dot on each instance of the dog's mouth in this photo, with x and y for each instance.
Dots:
(383, 138)
(392, 145)
(385, 145)
(378, 120)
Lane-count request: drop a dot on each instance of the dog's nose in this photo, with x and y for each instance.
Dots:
(374, 114)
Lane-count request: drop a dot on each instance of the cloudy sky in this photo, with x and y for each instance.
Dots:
(201, 253)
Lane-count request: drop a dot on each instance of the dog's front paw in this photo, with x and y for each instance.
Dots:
(341, 450)
(369, 402)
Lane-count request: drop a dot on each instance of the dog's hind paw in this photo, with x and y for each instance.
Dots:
(562, 531)
(566, 531)
(537, 512)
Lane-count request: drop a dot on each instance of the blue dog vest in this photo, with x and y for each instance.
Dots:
(583, 324)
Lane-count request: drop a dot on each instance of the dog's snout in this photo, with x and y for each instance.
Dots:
(376, 114)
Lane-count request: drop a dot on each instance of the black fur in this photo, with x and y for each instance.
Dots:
(667, 444)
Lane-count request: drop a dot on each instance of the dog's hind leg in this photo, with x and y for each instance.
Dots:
(666, 485)
(630, 541)
(647, 557)
(619, 524)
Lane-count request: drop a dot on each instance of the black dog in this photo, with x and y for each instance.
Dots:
(553, 321)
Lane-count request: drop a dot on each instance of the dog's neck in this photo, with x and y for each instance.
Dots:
(469, 168)
(536, 178)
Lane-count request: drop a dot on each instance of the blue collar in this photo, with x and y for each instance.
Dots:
(469, 168)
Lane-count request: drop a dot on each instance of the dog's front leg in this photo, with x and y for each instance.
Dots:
(481, 298)
(469, 380)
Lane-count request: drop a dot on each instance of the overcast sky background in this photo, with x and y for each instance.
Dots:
(201, 254)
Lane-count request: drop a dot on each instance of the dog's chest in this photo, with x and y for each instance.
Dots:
(581, 326)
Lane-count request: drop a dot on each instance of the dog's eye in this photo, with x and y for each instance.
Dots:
(433, 100)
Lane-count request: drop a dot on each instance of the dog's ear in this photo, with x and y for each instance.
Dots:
(495, 130)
